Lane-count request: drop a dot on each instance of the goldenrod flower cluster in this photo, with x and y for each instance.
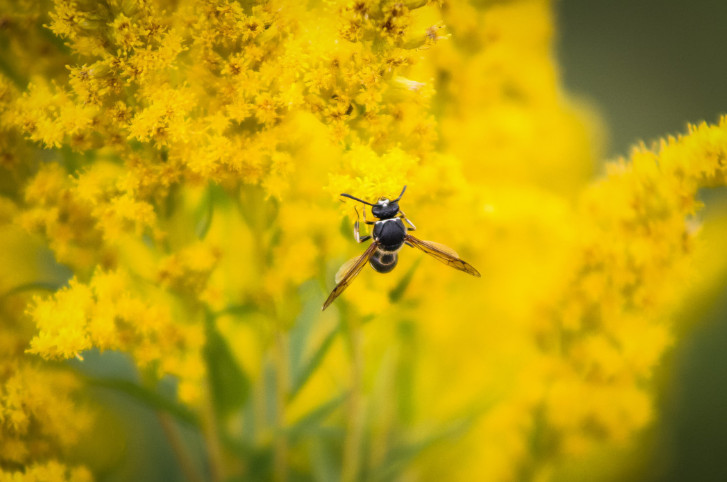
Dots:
(169, 186)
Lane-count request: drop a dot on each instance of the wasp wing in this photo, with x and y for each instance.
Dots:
(348, 272)
(345, 268)
(444, 254)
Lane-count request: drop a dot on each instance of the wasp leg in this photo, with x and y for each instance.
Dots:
(364, 216)
(403, 216)
(408, 244)
(356, 234)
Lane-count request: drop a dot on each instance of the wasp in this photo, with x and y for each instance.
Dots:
(389, 235)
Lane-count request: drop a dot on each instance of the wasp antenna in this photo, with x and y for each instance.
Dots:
(355, 199)
(400, 195)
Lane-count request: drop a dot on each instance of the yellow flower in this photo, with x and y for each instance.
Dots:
(51, 471)
(61, 323)
(178, 183)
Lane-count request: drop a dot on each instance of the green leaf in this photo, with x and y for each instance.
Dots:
(304, 323)
(406, 370)
(250, 422)
(236, 310)
(398, 291)
(324, 461)
(302, 367)
(311, 422)
(205, 213)
(271, 379)
(229, 384)
(301, 376)
(346, 228)
(146, 397)
(256, 209)
(401, 456)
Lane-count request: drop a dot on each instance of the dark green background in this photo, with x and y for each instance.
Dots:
(651, 66)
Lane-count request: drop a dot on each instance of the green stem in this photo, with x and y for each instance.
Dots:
(280, 455)
(175, 441)
(49, 286)
(212, 439)
(354, 432)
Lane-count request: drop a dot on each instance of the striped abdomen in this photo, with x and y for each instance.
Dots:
(384, 262)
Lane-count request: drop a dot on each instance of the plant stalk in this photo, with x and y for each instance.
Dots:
(352, 444)
(280, 449)
(175, 441)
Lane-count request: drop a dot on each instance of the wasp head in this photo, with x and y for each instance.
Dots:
(385, 209)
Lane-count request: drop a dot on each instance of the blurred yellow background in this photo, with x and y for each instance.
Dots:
(170, 225)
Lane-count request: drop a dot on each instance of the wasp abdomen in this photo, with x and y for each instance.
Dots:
(384, 262)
